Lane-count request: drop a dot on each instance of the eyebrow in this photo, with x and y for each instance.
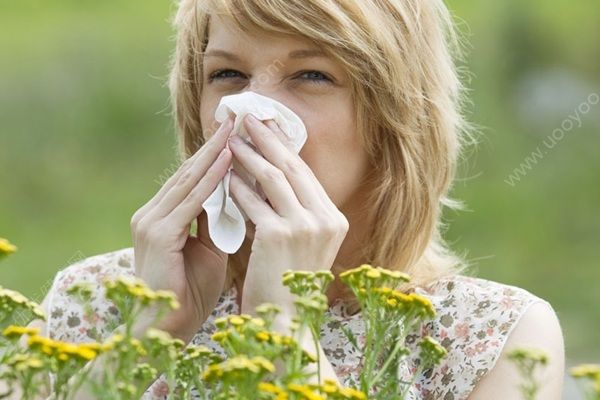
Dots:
(296, 54)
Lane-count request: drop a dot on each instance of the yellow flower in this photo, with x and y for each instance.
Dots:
(6, 247)
(11, 300)
(530, 354)
(236, 320)
(45, 345)
(355, 271)
(221, 322)
(219, 336)
(267, 309)
(169, 297)
(268, 387)
(329, 386)
(432, 351)
(193, 352)
(159, 336)
(86, 353)
(232, 368)
(424, 304)
(350, 393)
(15, 331)
(34, 363)
(373, 274)
(262, 336)
(309, 356)
(23, 362)
(590, 372)
(305, 391)
(585, 370)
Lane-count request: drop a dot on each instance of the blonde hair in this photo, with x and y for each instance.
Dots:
(400, 57)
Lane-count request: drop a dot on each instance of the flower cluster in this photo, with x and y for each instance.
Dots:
(13, 304)
(407, 305)
(364, 278)
(238, 368)
(389, 316)
(528, 361)
(431, 352)
(326, 390)
(254, 348)
(590, 373)
(6, 247)
(135, 287)
(131, 296)
(260, 361)
(42, 353)
(189, 366)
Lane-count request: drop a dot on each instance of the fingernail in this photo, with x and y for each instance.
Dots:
(252, 119)
(235, 139)
(222, 154)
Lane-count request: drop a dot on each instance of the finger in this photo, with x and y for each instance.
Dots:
(308, 189)
(191, 206)
(255, 208)
(272, 180)
(198, 168)
(242, 172)
(185, 166)
(283, 138)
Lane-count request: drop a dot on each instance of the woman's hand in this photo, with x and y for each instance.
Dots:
(299, 228)
(167, 256)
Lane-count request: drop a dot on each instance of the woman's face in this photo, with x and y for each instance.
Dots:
(312, 85)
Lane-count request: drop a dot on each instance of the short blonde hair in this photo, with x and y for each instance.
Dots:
(400, 57)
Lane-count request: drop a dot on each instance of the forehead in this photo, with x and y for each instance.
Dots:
(224, 33)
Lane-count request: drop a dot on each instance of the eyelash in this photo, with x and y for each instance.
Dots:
(217, 76)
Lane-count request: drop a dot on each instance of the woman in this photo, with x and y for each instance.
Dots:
(375, 84)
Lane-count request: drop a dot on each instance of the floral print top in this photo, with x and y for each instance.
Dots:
(474, 319)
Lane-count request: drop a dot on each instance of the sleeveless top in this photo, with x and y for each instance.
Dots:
(474, 318)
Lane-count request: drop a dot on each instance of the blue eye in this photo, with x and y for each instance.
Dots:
(316, 77)
(220, 74)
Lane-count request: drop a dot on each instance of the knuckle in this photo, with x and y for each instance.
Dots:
(186, 163)
(330, 231)
(271, 174)
(144, 226)
(277, 233)
(153, 233)
(185, 176)
(335, 226)
(135, 219)
(293, 167)
(195, 193)
(343, 223)
(306, 230)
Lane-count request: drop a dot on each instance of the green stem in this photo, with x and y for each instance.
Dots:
(316, 342)
(397, 347)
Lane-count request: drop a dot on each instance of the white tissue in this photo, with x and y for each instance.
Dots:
(226, 222)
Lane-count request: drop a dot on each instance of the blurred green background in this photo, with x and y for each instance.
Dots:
(86, 137)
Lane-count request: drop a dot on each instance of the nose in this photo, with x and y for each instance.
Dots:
(263, 84)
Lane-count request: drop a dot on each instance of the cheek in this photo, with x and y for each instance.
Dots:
(334, 153)
(207, 116)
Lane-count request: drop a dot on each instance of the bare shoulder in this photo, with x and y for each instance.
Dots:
(540, 328)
